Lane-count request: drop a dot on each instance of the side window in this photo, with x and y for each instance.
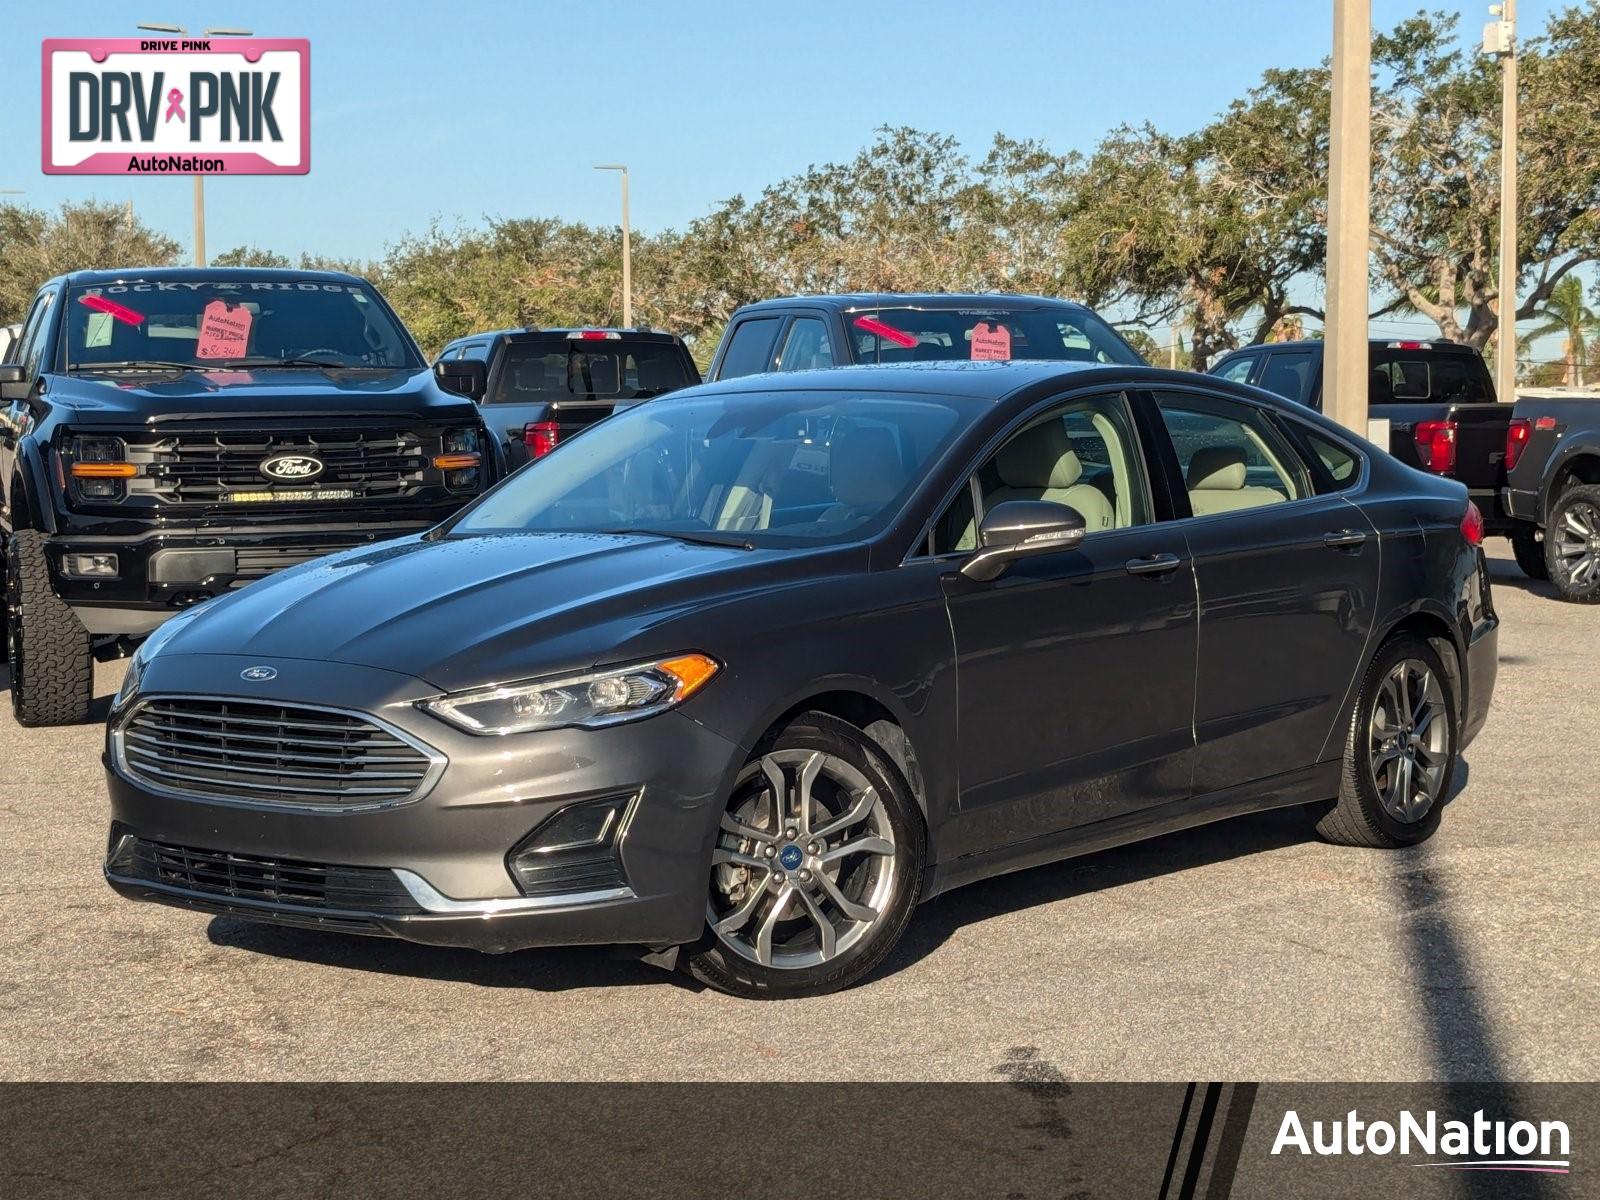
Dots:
(34, 340)
(19, 348)
(1083, 454)
(1230, 456)
(750, 348)
(805, 347)
(1285, 373)
(1239, 369)
(476, 351)
(1343, 466)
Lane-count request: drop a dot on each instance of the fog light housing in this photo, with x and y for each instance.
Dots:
(574, 850)
(89, 566)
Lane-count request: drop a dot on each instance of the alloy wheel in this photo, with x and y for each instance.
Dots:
(804, 865)
(1577, 544)
(1409, 740)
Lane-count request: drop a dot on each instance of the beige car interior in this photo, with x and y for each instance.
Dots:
(1218, 475)
(864, 469)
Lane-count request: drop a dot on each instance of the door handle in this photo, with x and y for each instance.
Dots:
(1153, 564)
(1344, 539)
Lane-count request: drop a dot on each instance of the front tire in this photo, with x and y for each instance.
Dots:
(1528, 547)
(1572, 545)
(816, 869)
(1400, 751)
(49, 649)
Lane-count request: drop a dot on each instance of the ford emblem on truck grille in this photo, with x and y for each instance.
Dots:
(291, 468)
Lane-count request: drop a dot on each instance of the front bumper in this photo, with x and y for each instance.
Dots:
(447, 850)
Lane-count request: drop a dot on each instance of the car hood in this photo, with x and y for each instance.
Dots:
(465, 612)
(115, 399)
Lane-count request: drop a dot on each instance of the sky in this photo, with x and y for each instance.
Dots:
(475, 108)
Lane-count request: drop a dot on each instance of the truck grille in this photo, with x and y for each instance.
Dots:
(218, 467)
(235, 750)
(268, 880)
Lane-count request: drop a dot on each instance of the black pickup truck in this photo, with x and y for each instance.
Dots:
(1553, 487)
(1437, 396)
(539, 387)
(168, 435)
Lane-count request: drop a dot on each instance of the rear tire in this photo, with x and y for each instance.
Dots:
(1572, 544)
(1400, 751)
(1528, 547)
(810, 897)
(49, 649)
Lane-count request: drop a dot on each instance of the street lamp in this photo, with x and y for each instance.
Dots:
(199, 180)
(627, 259)
(1500, 41)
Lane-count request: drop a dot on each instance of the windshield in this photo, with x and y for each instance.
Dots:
(222, 322)
(900, 335)
(786, 468)
(543, 371)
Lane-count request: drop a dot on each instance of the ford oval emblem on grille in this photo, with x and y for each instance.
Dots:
(291, 468)
(259, 674)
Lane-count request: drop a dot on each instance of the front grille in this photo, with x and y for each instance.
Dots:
(269, 753)
(225, 467)
(268, 880)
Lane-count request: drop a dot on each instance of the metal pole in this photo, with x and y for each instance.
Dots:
(627, 259)
(199, 220)
(1506, 337)
(1344, 363)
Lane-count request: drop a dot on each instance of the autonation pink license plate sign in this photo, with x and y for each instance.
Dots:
(186, 106)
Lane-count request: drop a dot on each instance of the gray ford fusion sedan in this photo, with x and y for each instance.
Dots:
(743, 674)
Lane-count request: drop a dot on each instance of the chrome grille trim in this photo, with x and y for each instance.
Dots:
(185, 746)
(204, 466)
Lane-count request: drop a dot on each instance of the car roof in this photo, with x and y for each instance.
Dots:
(532, 331)
(1443, 345)
(991, 381)
(203, 275)
(849, 301)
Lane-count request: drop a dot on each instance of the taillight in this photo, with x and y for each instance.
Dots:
(540, 437)
(1517, 435)
(1472, 525)
(1436, 446)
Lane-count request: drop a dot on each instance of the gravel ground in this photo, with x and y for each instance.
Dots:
(1246, 950)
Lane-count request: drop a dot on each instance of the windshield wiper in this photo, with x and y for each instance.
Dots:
(264, 361)
(135, 364)
(693, 536)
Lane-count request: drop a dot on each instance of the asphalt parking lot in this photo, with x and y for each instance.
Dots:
(1247, 950)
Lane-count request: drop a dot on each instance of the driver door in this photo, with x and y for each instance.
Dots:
(1075, 670)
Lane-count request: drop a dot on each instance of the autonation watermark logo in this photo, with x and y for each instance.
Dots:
(1476, 1145)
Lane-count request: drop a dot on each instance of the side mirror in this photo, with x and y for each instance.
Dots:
(14, 383)
(1021, 528)
(464, 376)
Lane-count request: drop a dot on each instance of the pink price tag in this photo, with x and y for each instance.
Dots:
(224, 331)
(990, 341)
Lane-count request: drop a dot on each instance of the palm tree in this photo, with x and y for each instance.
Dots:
(1566, 313)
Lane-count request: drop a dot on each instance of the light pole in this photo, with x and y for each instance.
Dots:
(1500, 40)
(627, 256)
(199, 180)
(1344, 362)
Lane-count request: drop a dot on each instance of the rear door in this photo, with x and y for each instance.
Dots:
(1287, 575)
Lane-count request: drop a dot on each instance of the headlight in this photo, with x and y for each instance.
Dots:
(590, 701)
(462, 460)
(130, 681)
(98, 467)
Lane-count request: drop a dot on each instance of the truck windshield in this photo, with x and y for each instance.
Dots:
(900, 335)
(221, 323)
(546, 370)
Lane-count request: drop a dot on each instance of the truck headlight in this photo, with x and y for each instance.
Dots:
(591, 700)
(99, 468)
(462, 460)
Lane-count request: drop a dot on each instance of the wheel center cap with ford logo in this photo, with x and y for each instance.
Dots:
(291, 468)
(790, 857)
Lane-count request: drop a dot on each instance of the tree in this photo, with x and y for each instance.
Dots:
(37, 245)
(1567, 314)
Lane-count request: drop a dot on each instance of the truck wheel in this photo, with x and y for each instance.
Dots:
(1572, 545)
(51, 666)
(1528, 547)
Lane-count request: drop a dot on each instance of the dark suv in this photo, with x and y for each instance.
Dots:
(170, 435)
(797, 333)
(539, 387)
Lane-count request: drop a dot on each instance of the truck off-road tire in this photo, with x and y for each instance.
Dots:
(1400, 751)
(816, 866)
(51, 663)
(1528, 547)
(1572, 544)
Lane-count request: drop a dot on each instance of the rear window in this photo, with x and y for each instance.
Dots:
(545, 371)
(1451, 378)
(901, 335)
